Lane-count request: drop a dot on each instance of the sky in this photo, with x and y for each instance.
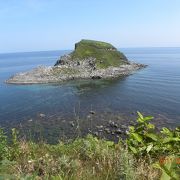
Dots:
(40, 25)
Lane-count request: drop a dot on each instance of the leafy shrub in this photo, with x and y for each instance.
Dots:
(144, 139)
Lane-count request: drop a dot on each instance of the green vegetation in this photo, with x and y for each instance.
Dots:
(146, 154)
(144, 141)
(106, 55)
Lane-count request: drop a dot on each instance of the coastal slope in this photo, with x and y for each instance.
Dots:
(90, 60)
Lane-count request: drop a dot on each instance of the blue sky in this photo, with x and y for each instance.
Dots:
(33, 25)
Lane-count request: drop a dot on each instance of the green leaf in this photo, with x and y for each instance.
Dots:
(131, 128)
(148, 118)
(170, 139)
(133, 149)
(166, 131)
(152, 136)
(149, 148)
(150, 126)
(140, 115)
(137, 137)
(139, 120)
(139, 129)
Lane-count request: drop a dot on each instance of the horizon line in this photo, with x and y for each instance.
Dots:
(34, 51)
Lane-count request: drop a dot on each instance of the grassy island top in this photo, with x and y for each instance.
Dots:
(106, 54)
(97, 44)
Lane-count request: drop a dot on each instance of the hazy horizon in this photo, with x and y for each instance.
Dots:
(51, 50)
(41, 25)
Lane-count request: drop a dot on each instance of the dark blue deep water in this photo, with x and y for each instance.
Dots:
(154, 90)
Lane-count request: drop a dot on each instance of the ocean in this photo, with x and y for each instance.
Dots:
(154, 90)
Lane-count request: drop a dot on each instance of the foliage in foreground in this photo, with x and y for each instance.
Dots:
(86, 158)
(143, 140)
(146, 154)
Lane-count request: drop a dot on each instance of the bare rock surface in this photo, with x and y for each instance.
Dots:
(65, 72)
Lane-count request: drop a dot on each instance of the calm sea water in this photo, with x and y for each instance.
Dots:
(154, 90)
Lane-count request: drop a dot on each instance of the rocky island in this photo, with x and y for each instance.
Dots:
(90, 60)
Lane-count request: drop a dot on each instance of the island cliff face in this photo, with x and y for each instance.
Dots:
(105, 54)
(90, 60)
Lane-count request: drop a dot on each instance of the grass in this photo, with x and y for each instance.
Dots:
(106, 55)
(84, 158)
(97, 44)
(145, 154)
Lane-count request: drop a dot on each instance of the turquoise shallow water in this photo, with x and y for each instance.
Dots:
(154, 90)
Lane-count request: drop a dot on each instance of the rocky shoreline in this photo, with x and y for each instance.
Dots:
(90, 60)
(66, 69)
